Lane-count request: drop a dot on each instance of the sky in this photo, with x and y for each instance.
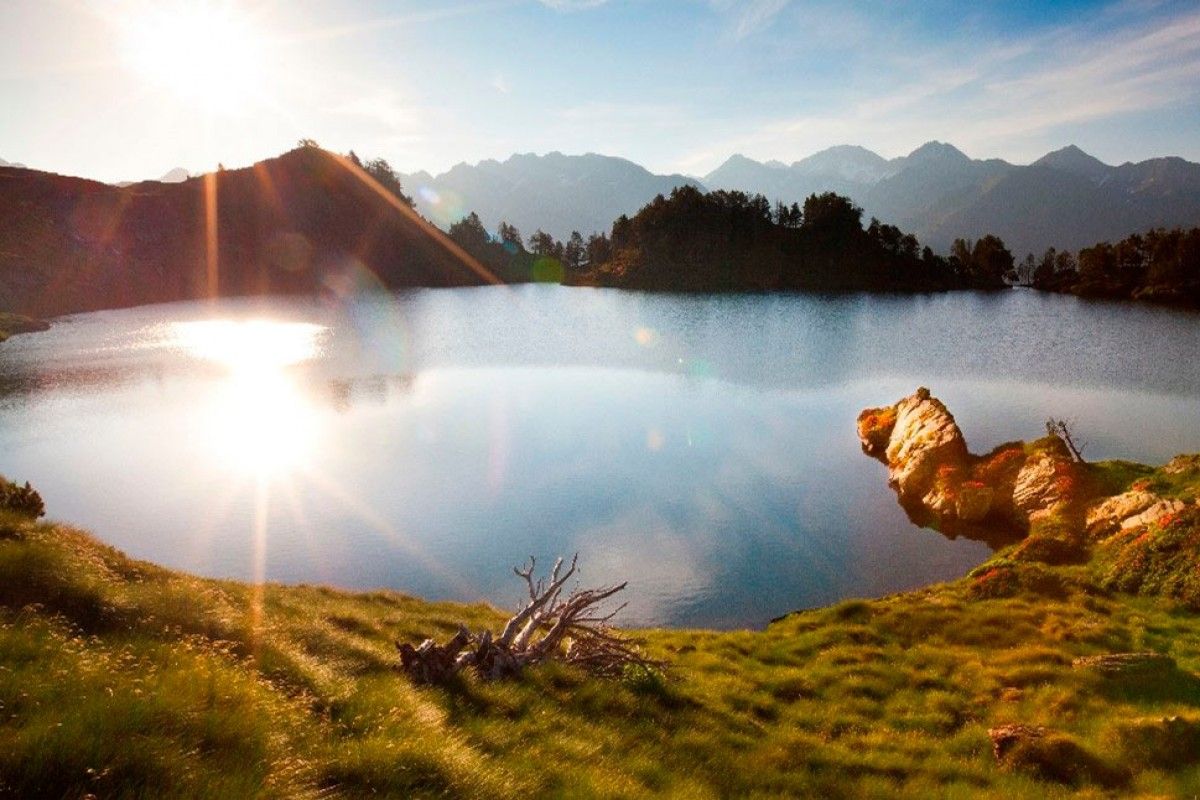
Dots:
(128, 89)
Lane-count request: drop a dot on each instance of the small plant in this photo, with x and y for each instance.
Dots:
(21, 500)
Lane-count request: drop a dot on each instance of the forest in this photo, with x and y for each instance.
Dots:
(730, 241)
(1160, 265)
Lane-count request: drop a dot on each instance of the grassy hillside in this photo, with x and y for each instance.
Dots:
(122, 679)
(307, 221)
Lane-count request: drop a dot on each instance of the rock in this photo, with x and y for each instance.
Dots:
(1153, 513)
(1006, 737)
(1126, 664)
(919, 441)
(1046, 481)
(941, 485)
(974, 501)
(1180, 465)
(1051, 756)
(1106, 516)
(924, 438)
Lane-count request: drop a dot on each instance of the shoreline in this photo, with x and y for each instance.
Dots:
(12, 323)
(15, 324)
(1028, 677)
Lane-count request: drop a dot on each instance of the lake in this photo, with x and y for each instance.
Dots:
(702, 448)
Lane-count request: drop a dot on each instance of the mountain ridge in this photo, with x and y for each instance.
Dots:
(304, 221)
(940, 194)
(555, 192)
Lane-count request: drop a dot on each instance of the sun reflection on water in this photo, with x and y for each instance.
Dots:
(260, 421)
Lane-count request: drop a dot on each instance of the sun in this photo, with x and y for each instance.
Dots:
(205, 52)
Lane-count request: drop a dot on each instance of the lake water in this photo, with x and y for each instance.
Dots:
(703, 448)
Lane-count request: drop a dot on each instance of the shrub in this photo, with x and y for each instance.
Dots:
(21, 500)
(1160, 559)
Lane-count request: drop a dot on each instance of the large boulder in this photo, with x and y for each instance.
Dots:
(919, 441)
(1047, 481)
(941, 485)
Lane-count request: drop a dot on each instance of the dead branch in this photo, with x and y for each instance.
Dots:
(547, 628)
(1061, 429)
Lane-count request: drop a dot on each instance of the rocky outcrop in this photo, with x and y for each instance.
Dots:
(1126, 664)
(942, 485)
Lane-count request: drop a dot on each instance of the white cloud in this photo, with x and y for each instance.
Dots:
(1008, 97)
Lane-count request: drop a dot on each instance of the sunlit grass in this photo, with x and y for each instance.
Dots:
(123, 679)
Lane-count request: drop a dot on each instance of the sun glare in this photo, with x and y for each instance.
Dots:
(260, 421)
(204, 51)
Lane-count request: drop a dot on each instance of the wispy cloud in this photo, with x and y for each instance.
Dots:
(571, 5)
(750, 16)
(1008, 96)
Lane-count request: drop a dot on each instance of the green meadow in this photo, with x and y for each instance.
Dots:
(122, 679)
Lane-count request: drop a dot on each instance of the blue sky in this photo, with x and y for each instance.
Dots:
(119, 89)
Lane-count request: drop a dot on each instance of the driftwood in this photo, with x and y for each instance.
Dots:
(548, 627)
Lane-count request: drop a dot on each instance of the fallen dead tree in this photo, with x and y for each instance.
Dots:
(572, 630)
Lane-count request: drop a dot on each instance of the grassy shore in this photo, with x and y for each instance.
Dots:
(12, 324)
(119, 678)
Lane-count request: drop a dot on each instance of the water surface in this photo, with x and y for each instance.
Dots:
(701, 447)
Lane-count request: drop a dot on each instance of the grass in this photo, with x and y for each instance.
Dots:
(122, 679)
(11, 324)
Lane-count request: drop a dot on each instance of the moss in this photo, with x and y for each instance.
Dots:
(1162, 559)
(1161, 743)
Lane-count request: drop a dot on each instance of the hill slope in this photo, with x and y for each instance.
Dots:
(304, 221)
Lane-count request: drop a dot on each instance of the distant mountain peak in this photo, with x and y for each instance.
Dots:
(176, 175)
(937, 151)
(1074, 160)
(848, 161)
(737, 159)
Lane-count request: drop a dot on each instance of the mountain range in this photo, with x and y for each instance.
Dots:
(1066, 199)
(556, 193)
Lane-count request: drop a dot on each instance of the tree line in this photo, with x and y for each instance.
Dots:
(1161, 265)
(735, 241)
